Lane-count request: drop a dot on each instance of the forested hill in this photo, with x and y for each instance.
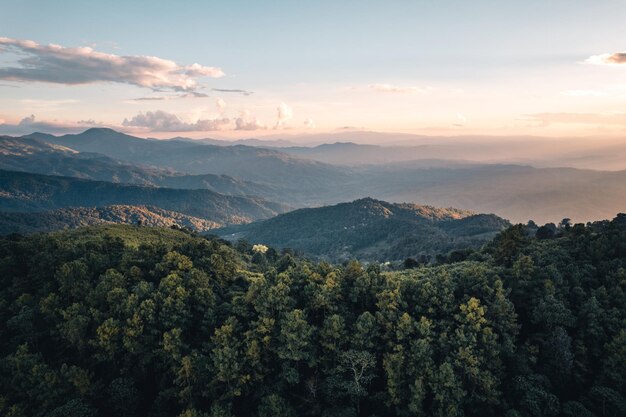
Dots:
(372, 230)
(24, 192)
(68, 218)
(135, 321)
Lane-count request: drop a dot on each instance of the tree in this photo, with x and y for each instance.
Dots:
(352, 376)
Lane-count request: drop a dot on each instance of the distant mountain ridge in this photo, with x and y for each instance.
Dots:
(24, 192)
(515, 192)
(261, 165)
(373, 230)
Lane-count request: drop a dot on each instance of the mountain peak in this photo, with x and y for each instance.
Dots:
(105, 132)
(101, 130)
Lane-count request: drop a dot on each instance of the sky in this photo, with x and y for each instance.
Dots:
(233, 69)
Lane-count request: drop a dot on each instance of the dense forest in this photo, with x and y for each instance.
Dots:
(137, 321)
(371, 230)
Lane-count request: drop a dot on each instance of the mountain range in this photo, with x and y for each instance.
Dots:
(24, 192)
(240, 191)
(260, 165)
(516, 192)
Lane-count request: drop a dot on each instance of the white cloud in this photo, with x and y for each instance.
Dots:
(618, 58)
(220, 104)
(30, 124)
(173, 96)
(248, 122)
(309, 124)
(284, 114)
(82, 65)
(161, 121)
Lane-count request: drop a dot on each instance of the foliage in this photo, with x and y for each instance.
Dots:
(138, 321)
(373, 230)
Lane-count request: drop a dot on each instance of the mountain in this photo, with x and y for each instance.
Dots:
(26, 223)
(34, 156)
(516, 192)
(25, 192)
(12, 146)
(260, 165)
(260, 143)
(363, 147)
(354, 154)
(373, 230)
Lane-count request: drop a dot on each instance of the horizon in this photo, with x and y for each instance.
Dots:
(415, 68)
(390, 139)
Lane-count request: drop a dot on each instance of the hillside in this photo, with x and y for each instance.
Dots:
(70, 218)
(29, 154)
(135, 321)
(24, 192)
(372, 230)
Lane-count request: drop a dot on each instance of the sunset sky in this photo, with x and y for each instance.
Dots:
(250, 69)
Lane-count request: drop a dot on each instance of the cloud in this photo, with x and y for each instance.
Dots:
(284, 114)
(614, 118)
(30, 124)
(226, 90)
(150, 98)
(618, 58)
(309, 124)
(220, 104)
(82, 65)
(248, 122)
(389, 88)
(191, 94)
(161, 121)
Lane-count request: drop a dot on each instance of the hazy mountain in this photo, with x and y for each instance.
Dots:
(358, 148)
(246, 162)
(31, 192)
(515, 192)
(25, 223)
(261, 143)
(353, 154)
(110, 142)
(370, 229)
(35, 156)
(12, 146)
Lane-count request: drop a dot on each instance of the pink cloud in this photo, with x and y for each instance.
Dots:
(83, 65)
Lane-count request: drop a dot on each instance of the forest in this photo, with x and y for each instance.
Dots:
(122, 320)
